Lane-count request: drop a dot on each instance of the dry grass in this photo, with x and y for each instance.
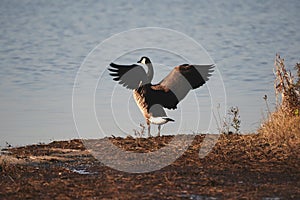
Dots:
(282, 127)
(238, 167)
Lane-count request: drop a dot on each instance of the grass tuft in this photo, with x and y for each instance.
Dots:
(282, 127)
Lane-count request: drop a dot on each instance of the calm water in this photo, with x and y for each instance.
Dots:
(43, 43)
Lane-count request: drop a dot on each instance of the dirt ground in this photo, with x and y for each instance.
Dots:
(238, 167)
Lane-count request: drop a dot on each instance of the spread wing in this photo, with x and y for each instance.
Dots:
(130, 76)
(176, 85)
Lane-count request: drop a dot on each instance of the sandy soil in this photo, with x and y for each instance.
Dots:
(238, 167)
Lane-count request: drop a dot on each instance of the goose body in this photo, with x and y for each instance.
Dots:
(152, 99)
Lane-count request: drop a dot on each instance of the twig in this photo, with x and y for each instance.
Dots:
(11, 178)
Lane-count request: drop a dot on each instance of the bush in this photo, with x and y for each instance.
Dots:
(282, 127)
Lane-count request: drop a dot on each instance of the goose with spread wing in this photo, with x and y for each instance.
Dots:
(153, 98)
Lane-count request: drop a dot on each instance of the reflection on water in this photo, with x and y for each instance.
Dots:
(42, 45)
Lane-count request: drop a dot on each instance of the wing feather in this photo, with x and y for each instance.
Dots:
(176, 85)
(130, 76)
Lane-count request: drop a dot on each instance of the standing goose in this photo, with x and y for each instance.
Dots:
(152, 99)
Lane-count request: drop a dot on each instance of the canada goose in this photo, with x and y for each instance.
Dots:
(152, 99)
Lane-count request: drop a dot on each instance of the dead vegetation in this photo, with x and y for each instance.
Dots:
(282, 127)
(243, 166)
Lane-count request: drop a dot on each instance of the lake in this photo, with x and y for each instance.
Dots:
(44, 43)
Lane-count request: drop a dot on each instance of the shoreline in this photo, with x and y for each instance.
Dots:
(244, 166)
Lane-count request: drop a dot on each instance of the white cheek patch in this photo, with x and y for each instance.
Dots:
(144, 61)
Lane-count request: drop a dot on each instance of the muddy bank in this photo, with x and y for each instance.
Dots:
(238, 167)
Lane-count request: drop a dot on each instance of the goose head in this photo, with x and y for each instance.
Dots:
(144, 60)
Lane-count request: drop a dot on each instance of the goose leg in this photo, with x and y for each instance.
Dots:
(158, 134)
(148, 123)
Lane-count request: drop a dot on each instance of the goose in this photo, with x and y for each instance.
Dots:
(153, 98)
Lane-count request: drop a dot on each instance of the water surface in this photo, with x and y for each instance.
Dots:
(43, 43)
